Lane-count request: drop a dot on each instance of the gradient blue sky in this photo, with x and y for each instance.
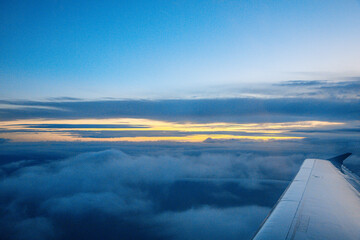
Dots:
(168, 49)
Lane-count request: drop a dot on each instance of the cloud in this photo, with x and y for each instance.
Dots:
(64, 99)
(66, 126)
(201, 110)
(297, 83)
(5, 106)
(212, 223)
(61, 194)
(340, 89)
(114, 193)
(81, 203)
(34, 228)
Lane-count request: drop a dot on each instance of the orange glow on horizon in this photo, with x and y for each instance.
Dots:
(63, 137)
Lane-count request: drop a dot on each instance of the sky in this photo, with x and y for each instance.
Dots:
(171, 49)
(168, 119)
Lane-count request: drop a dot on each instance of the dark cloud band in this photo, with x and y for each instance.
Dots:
(204, 110)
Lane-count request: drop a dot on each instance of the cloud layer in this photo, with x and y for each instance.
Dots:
(110, 194)
(201, 110)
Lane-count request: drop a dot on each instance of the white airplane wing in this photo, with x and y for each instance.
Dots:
(322, 202)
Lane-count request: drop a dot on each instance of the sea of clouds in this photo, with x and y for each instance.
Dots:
(113, 195)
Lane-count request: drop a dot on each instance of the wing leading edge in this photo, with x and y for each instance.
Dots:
(322, 202)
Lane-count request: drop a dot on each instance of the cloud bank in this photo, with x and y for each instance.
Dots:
(112, 195)
(239, 110)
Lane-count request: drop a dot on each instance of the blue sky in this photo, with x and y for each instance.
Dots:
(168, 49)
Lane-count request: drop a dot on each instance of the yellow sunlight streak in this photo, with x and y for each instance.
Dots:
(195, 132)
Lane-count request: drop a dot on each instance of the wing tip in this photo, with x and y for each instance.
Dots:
(338, 160)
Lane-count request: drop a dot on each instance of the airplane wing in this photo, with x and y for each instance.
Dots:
(322, 202)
